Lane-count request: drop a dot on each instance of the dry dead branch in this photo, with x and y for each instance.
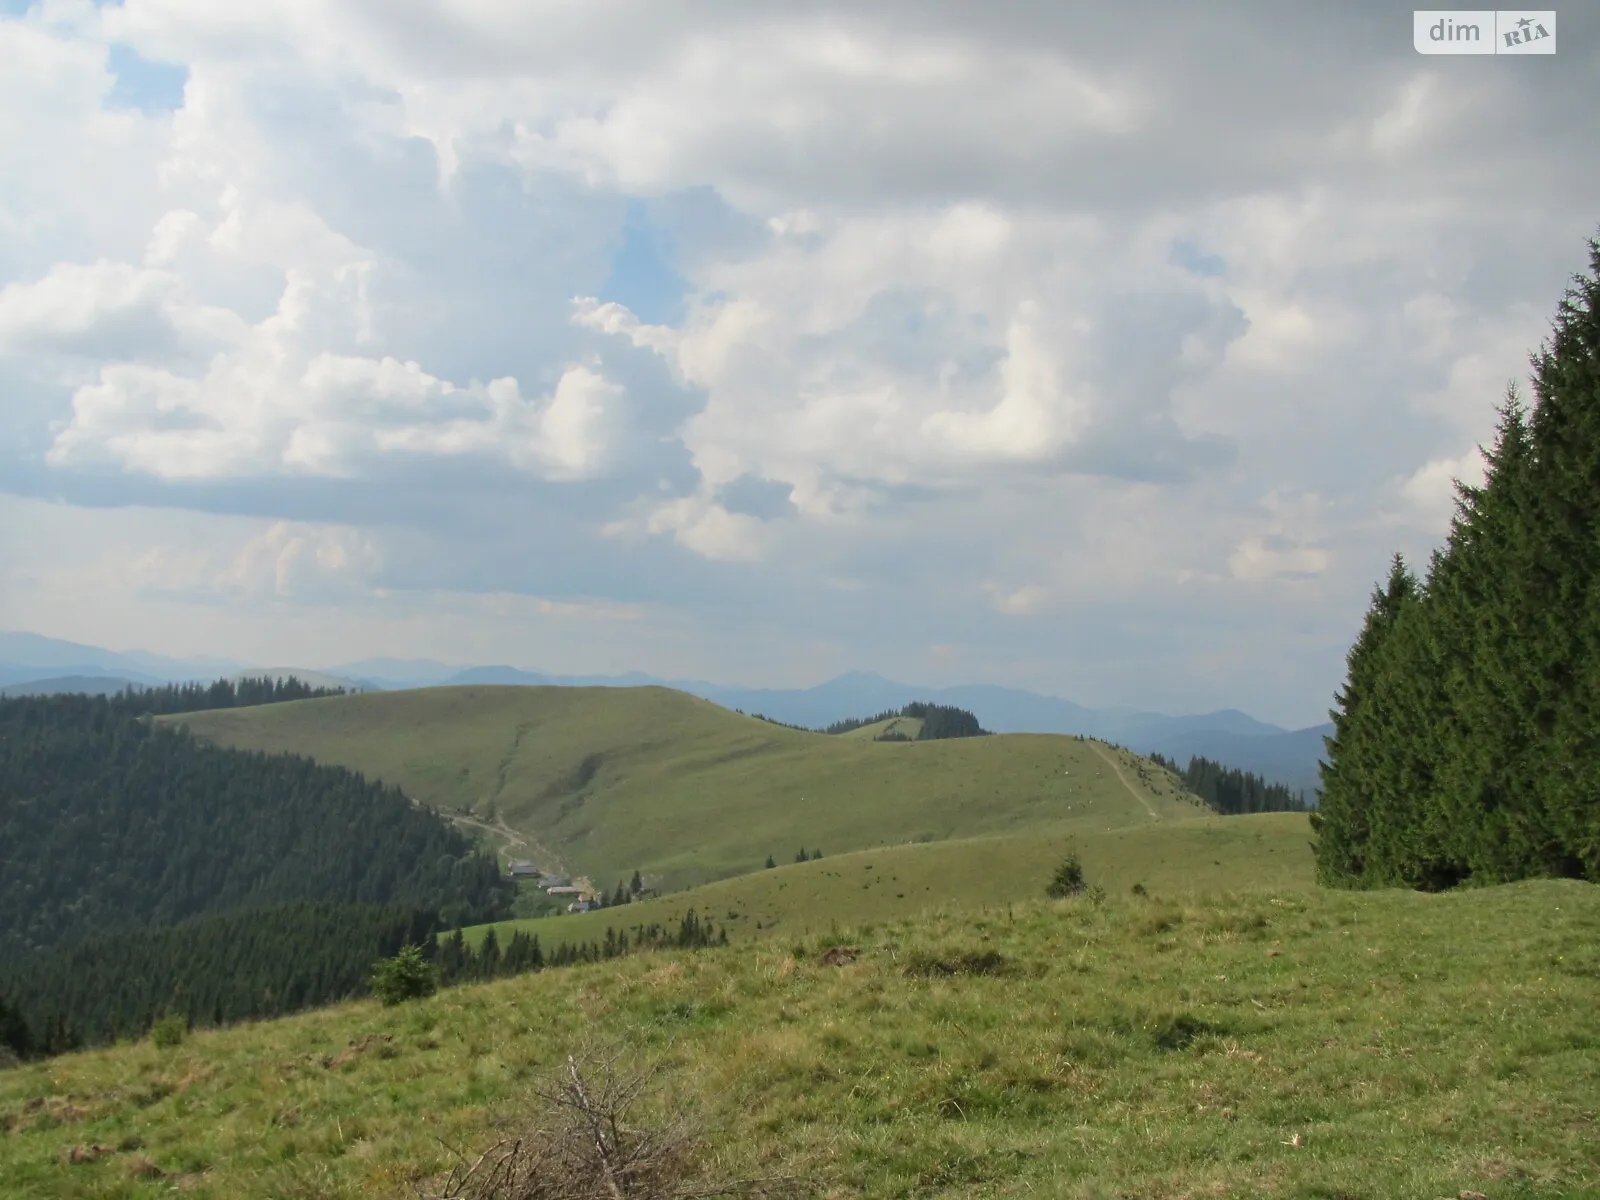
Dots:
(586, 1147)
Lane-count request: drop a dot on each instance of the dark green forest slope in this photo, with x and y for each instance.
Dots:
(1230, 791)
(1467, 735)
(214, 970)
(109, 823)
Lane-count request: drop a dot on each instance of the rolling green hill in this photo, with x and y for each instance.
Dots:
(602, 781)
(1169, 858)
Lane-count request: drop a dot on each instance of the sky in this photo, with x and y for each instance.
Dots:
(1101, 352)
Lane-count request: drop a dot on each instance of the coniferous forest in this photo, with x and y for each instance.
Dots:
(109, 822)
(939, 721)
(138, 860)
(1231, 791)
(224, 693)
(241, 965)
(1466, 741)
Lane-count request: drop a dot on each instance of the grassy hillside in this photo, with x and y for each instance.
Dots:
(1251, 1044)
(1270, 850)
(604, 781)
(907, 726)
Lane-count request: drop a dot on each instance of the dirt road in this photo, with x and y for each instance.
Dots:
(1123, 779)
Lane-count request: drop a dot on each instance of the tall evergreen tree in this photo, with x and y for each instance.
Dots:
(1479, 588)
(489, 955)
(1342, 821)
(1467, 739)
(1566, 577)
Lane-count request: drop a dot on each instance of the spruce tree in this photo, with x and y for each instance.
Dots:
(1467, 737)
(1565, 578)
(454, 958)
(14, 1033)
(489, 955)
(1482, 629)
(1350, 767)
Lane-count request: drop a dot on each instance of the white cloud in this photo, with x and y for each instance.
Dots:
(291, 560)
(933, 304)
(1021, 601)
(272, 404)
(1257, 560)
(703, 526)
(76, 306)
(1432, 488)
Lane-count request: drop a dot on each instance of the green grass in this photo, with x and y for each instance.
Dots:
(899, 882)
(608, 780)
(910, 727)
(1263, 1043)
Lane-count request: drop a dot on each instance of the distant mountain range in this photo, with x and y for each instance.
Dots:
(88, 685)
(27, 656)
(30, 663)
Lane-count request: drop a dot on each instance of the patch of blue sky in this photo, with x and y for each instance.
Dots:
(16, 8)
(150, 87)
(1191, 258)
(642, 276)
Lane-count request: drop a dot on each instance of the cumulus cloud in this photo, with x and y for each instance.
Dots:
(1432, 487)
(100, 310)
(931, 348)
(294, 560)
(998, 314)
(274, 404)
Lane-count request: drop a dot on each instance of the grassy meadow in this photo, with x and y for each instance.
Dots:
(912, 881)
(1268, 1042)
(606, 781)
(1204, 1022)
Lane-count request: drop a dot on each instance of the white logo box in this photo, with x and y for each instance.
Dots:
(1484, 31)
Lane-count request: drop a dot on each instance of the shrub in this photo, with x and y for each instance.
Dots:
(406, 976)
(1068, 879)
(170, 1030)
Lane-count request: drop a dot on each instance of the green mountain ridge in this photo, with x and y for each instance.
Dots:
(604, 781)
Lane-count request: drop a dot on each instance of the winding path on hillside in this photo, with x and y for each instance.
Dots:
(1121, 778)
(501, 830)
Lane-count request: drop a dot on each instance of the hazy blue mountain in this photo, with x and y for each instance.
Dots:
(26, 656)
(10, 673)
(88, 685)
(396, 673)
(1288, 758)
(1001, 709)
(498, 675)
(518, 677)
